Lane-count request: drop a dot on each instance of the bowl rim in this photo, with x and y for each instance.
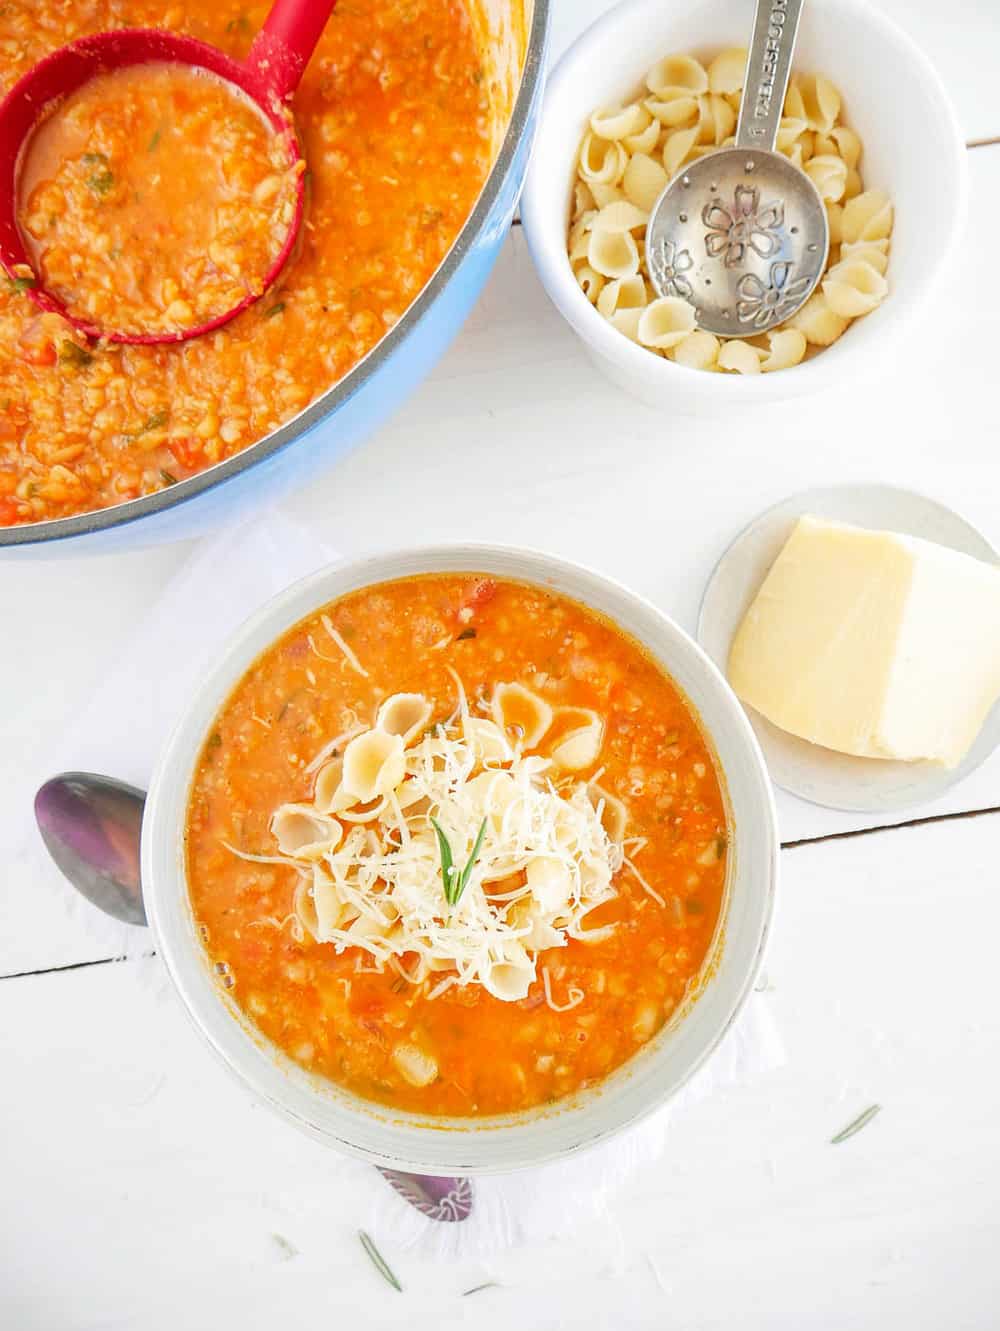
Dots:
(664, 376)
(134, 510)
(472, 1146)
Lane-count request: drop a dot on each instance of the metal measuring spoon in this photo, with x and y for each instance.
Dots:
(91, 827)
(742, 234)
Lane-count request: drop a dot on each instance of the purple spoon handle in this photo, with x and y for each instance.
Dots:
(91, 827)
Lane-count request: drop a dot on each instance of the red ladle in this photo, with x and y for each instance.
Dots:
(268, 76)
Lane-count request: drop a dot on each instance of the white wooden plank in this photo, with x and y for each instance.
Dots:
(961, 40)
(143, 1191)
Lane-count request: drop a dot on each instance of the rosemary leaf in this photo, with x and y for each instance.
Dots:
(487, 1284)
(856, 1125)
(378, 1261)
(448, 870)
(465, 635)
(275, 309)
(466, 874)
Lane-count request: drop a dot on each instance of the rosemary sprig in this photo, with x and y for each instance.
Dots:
(378, 1261)
(856, 1125)
(454, 882)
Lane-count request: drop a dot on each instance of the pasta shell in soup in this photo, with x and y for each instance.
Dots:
(404, 714)
(418, 1068)
(521, 713)
(374, 764)
(303, 833)
(329, 795)
(487, 741)
(579, 738)
(491, 794)
(510, 979)
(331, 912)
(550, 883)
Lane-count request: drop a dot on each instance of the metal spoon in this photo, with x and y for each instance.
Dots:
(91, 827)
(741, 233)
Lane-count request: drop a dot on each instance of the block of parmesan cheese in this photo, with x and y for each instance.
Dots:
(872, 643)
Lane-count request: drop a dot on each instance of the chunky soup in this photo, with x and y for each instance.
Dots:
(457, 844)
(395, 117)
(155, 199)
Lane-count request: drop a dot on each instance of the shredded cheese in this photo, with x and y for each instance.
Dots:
(349, 656)
(544, 863)
(650, 891)
(574, 995)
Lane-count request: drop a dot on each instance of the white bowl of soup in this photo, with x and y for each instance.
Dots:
(885, 129)
(462, 859)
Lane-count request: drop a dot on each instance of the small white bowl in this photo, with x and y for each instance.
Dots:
(893, 97)
(466, 1146)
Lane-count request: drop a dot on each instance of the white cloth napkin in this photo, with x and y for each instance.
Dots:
(120, 732)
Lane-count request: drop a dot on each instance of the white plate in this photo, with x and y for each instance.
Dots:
(822, 776)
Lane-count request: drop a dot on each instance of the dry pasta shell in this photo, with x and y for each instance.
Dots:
(785, 348)
(646, 140)
(680, 72)
(676, 112)
(821, 102)
(821, 325)
(789, 130)
(875, 252)
(665, 322)
(590, 283)
(644, 181)
(794, 106)
(627, 322)
(867, 217)
(622, 294)
(676, 148)
(854, 288)
(698, 351)
(727, 71)
(605, 194)
(620, 216)
(835, 222)
(601, 162)
(613, 253)
(739, 356)
(829, 174)
(617, 122)
(848, 145)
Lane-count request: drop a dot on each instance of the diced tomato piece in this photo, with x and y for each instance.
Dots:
(38, 353)
(9, 513)
(480, 593)
(189, 453)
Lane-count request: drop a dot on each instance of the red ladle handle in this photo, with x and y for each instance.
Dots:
(281, 50)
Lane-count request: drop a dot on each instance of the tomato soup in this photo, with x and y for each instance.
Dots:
(418, 948)
(155, 199)
(398, 125)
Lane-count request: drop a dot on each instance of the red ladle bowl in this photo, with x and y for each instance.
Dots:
(269, 76)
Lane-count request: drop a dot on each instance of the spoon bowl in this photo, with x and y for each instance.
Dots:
(742, 234)
(267, 78)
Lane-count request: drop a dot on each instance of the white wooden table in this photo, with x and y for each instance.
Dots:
(140, 1188)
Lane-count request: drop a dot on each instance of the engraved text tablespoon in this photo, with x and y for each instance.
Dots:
(91, 827)
(742, 233)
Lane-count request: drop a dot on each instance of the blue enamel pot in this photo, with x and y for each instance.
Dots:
(355, 406)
